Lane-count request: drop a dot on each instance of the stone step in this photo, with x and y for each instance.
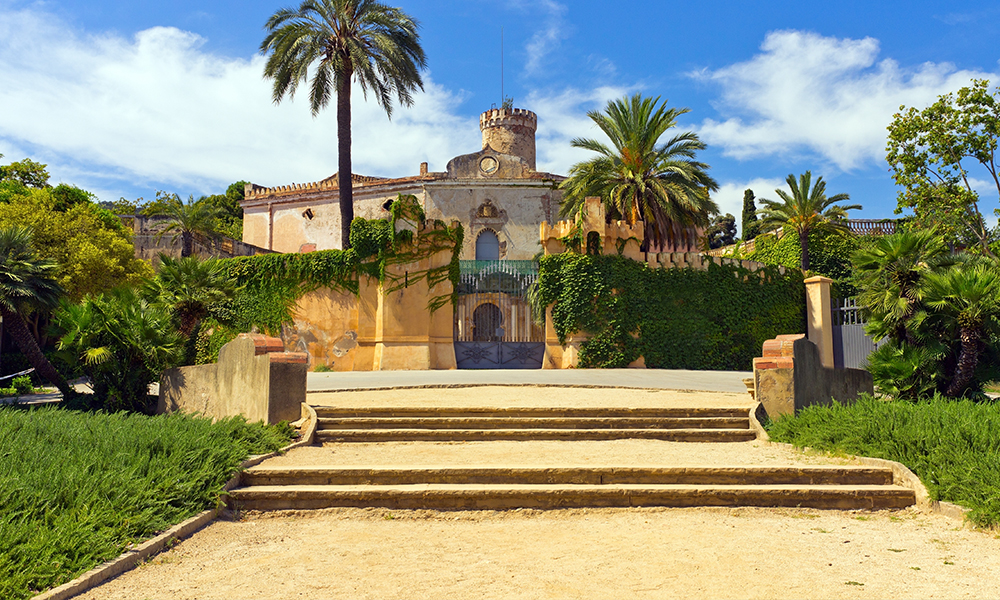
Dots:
(530, 412)
(472, 435)
(505, 422)
(728, 475)
(495, 496)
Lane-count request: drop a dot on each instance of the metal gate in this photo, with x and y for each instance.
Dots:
(493, 324)
(851, 345)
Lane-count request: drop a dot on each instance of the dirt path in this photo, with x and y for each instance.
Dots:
(603, 553)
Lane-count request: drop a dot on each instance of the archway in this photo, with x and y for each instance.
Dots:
(487, 245)
(486, 323)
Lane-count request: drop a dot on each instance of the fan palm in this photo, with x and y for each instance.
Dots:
(377, 44)
(27, 282)
(806, 209)
(186, 219)
(965, 303)
(189, 287)
(889, 276)
(641, 179)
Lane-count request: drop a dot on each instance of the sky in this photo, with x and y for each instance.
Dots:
(124, 98)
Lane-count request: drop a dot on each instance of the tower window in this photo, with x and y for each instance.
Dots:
(488, 245)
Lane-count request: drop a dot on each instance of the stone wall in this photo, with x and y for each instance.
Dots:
(254, 377)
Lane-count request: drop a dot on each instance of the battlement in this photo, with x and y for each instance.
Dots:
(594, 223)
(505, 117)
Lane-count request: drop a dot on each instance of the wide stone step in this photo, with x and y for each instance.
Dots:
(507, 422)
(728, 475)
(530, 412)
(497, 496)
(472, 435)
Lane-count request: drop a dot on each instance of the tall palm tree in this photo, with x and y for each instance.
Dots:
(641, 179)
(189, 287)
(27, 282)
(806, 209)
(186, 219)
(377, 44)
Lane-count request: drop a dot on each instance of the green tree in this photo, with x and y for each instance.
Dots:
(185, 219)
(346, 39)
(189, 287)
(722, 232)
(806, 209)
(122, 342)
(641, 179)
(92, 248)
(26, 172)
(931, 150)
(27, 283)
(750, 226)
(230, 220)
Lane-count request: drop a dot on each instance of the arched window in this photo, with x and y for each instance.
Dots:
(488, 246)
(487, 321)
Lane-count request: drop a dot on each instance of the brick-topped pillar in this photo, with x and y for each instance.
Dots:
(819, 320)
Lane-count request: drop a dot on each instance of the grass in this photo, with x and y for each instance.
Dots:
(953, 446)
(77, 488)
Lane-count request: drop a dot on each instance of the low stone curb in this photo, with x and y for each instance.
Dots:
(131, 558)
(900, 472)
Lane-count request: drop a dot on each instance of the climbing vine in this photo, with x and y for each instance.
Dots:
(676, 318)
(273, 283)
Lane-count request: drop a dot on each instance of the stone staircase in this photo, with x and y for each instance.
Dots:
(511, 486)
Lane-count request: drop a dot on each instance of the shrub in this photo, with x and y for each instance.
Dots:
(22, 385)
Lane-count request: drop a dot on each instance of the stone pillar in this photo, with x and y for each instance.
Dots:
(819, 320)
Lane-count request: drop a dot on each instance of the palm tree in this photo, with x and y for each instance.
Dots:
(186, 219)
(641, 179)
(890, 276)
(965, 301)
(27, 282)
(377, 44)
(189, 287)
(806, 209)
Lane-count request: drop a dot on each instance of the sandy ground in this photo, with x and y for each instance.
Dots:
(602, 553)
(534, 396)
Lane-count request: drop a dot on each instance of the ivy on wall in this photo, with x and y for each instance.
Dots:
(715, 319)
(829, 255)
(273, 283)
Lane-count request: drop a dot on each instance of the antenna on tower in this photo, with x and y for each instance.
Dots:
(502, 97)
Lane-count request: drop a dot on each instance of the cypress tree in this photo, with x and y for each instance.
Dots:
(750, 225)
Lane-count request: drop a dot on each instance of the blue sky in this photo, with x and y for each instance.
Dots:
(124, 98)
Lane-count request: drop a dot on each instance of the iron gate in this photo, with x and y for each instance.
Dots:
(851, 345)
(494, 328)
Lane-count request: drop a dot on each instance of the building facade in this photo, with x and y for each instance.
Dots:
(495, 193)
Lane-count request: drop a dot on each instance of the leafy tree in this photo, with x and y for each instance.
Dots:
(230, 220)
(806, 209)
(722, 232)
(189, 287)
(345, 39)
(91, 247)
(27, 283)
(931, 150)
(122, 342)
(26, 172)
(185, 218)
(641, 179)
(750, 226)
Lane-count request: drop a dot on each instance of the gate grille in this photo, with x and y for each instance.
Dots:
(851, 345)
(494, 328)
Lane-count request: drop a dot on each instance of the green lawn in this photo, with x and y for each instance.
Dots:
(953, 446)
(77, 488)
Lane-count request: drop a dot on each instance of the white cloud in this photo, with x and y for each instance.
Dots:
(156, 107)
(730, 195)
(805, 93)
(547, 39)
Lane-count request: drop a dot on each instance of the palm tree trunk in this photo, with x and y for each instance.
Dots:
(29, 347)
(344, 181)
(804, 245)
(187, 244)
(968, 359)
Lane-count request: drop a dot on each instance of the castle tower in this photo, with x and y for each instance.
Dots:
(510, 131)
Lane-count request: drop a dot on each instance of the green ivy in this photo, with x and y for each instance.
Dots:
(273, 283)
(829, 255)
(713, 319)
